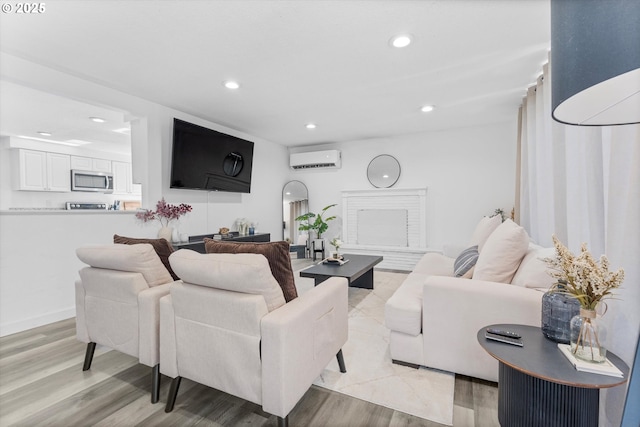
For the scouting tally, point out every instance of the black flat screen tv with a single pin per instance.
(204, 159)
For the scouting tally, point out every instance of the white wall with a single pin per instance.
(151, 134)
(468, 174)
(39, 265)
(37, 256)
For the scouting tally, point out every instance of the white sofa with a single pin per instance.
(434, 317)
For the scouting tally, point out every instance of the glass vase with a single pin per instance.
(588, 337)
(558, 308)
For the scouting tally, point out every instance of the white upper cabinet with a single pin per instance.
(90, 164)
(41, 171)
(81, 163)
(123, 179)
(101, 165)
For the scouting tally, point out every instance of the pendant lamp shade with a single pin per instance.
(595, 57)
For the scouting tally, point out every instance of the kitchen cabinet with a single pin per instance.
(90, 164)
(123, 179)
(42, 171)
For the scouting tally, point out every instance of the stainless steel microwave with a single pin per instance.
(100, 182)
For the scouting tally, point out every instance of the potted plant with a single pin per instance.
(336, 243)
(319, 224)
(316, 223)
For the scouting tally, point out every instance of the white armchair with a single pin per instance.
(117, 303)
(227, 326)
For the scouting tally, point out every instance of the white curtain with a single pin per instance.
(583, 185)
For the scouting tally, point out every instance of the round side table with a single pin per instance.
(538, 386)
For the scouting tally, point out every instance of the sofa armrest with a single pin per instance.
(454, 309)
(82, 333)
(298, 340)
(168, 349)
(149, 323)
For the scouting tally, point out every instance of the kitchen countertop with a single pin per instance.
(58, 211)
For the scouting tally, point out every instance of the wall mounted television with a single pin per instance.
(204, 159)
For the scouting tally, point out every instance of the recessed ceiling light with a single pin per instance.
(97, 119)
(310, 126)
(402, 40)
(427, 108)
(230, 84)
(44, 133)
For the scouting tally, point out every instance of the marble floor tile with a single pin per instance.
(371, 376)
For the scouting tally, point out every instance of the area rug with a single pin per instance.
(370, 376)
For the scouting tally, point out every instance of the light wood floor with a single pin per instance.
(42, 384)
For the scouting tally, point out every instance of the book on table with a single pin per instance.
(604, 368)
(335, 261)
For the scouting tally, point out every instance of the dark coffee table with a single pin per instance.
(358, 271)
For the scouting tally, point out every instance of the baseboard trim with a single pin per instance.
(407, 364)
(34, 322)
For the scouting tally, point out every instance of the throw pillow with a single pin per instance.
(469, 274)
(140, 258)
(162, 247)
(465, 261)
(533, 271)
(502, 253)
(277, 253)
(246, 273)
(485, 227)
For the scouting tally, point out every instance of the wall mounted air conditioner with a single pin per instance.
(315, 159)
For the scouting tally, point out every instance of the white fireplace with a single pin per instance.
(387, 222)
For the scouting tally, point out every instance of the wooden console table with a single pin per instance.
(196, 243)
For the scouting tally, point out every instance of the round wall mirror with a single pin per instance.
(295, 202)
(383, 171)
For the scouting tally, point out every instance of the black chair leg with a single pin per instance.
(88, 356)
(173, 393)
(283, 422)
(155, 384)
(343, 368)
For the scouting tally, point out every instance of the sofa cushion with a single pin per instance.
(533, 271)
(483, 230)
(246, 273)
(162, 247)
(433, 263)
(277, 253)
(465, 261)
(403, 310)
(502, 253)
(141, 258)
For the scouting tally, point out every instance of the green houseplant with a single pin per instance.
(315, 222)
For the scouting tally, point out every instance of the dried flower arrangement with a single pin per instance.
(588, 280)
(164, 213)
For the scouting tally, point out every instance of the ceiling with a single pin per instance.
(297, 62)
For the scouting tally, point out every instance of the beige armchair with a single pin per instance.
(227, 326)
(117, 303)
